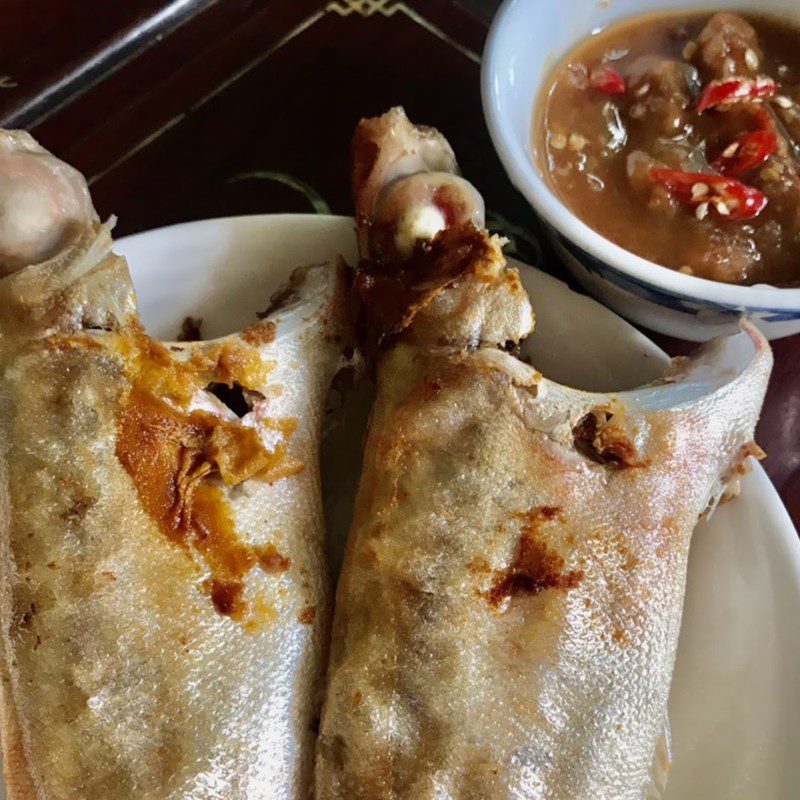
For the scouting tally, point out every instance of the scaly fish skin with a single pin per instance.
(509, 609)
(164, 600)
(509, 606)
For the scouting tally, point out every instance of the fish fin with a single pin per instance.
(656, 787)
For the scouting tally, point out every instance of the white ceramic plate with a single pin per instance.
(735, 704)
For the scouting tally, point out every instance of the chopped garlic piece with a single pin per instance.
(637, 111)
(576, 141)
(751, 58)
(730, 150)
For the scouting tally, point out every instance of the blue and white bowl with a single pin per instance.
(526, 40)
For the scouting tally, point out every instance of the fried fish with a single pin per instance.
(164, 596)
(509, 606)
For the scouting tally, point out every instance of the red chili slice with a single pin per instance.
(606, 79)
(729, 198)
(748, 151)
(735, 89)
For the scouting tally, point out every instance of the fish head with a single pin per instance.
(44, 203)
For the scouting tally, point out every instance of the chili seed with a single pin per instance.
(722, 208)
(642, 90)
(730, 150)
(701, 212)
(700, 189)
(750, 58)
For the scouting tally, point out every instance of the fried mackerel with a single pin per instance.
(508, 610)
(164, 596)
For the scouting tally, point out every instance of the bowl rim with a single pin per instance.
(518, 162)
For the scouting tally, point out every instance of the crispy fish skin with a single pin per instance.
(508, 611)
(163, 626)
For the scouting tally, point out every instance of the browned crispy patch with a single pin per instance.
(176, 460)
(262, 615)
(227, 598)
(79, 506)
(597, 437)
(307, 615)
(179, 460)
(272, 561)
(479, 566)
(541, 512)
(26, 618)
(57, 343)
(369, 556)
(631, 561)
(234, 361)
(390, 294)
(432, 387)
(536, 567)
(151, 364)
(259, 333)
(173, 459)
(620, 637)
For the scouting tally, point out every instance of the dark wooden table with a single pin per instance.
(183, 109)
